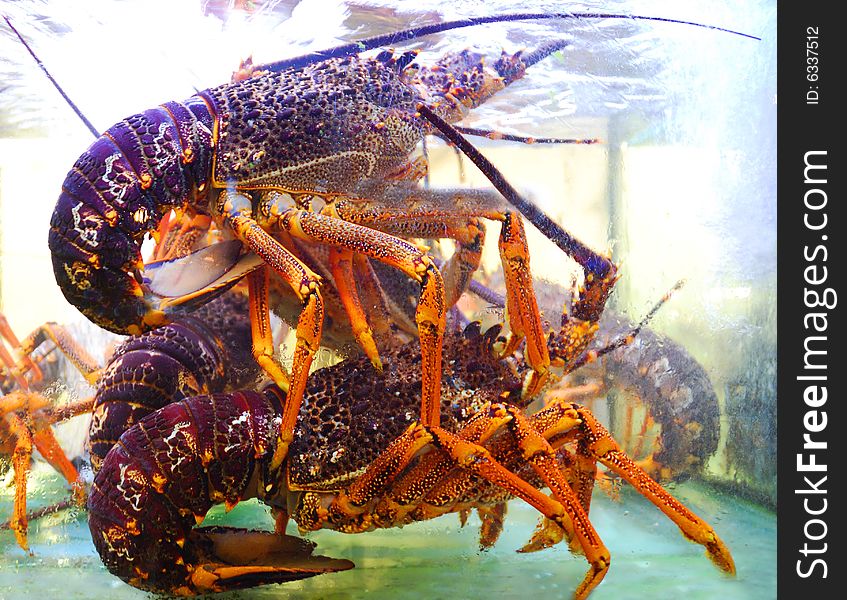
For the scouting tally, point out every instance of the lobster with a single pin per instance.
(360, 461)
(27, 416)
(204, 352)
(310, 151)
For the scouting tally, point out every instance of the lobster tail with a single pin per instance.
(203, 353)
(162, 477)
(116, 193)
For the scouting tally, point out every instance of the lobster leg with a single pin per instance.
(260, 323)
(236, 209)
(433, 214)
(597, 442)
(564, 508)
(14, 370)
(341, 266)
(373, 296)
(399, 254)
(521, 305)
(466, 450)
(34, 430)
(65, 342)
(20, 462)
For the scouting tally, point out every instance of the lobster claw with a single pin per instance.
(199, 277)
(230, 559)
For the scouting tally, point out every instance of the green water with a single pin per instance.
(438, 559)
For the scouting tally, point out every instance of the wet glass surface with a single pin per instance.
(682, 186)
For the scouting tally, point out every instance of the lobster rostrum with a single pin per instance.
(317, 150)
(360, 460)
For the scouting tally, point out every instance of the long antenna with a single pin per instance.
(399, 37)
(55, 83)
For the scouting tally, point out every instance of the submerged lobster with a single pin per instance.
(316, 151)
(359, 460)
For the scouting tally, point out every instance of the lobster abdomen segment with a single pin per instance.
(117, 192)
(165, 473)
(206, 352)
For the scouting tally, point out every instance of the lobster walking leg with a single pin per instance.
(20, 463)
(597, 441)
(65, 342)
(373, 297)
(237, 209)
(341, 266)
(476, 458)
(411, 212)
(397, 253)
(260, 324)
(521, 305)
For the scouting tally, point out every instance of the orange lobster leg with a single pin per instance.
(564, 508)
(20, 463)
(605, 449)
(260, 323)
(465, 450)
(401, 255)
(456, 214)
(341, 267)
(47, 445)
(373, 297)
(65, 342)
(14, 370)
(237, 210)
(521, 305)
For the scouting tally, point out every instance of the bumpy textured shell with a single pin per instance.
(323, 128)
(351, 413)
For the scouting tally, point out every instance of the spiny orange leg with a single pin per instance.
(27, 364)
(565, 509)
(411, 212)
(65, 342)
(457, 450)
(456, 214)
(341, 267)
(48, 446)
(373, 297)
(577, 527)
(34, 429)
(237, 210)
(20, 463)
(430, 475)
(597, 442)
(521, 305)
(260, 323)
(371, 487)
(388, 249)
(580, 472)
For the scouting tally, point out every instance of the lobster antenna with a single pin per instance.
(41, 512)
(55, 83)
(552, 230)
(524, 139)
(406, 35)
(627, 339)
